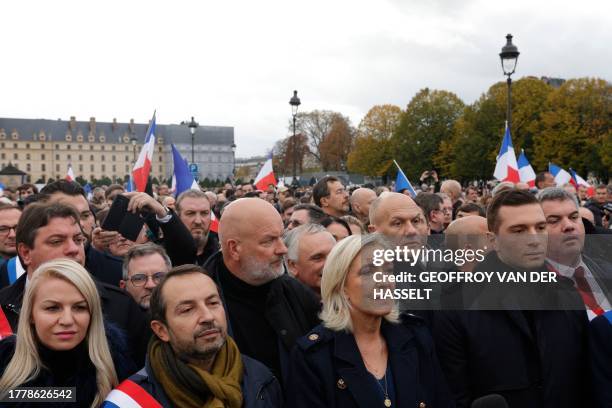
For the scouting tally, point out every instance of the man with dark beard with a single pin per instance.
(267, 309)
(193, 208)
(191, 360)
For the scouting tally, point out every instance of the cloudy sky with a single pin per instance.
(237, 62)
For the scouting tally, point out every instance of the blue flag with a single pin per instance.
(402, 183)
(182, 176)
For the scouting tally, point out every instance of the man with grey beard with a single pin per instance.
(267, 310)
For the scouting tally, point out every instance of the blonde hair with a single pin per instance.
(336, 313)
(26, 364)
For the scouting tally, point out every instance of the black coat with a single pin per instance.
(260, 389)
(327, 370)
(104, 267)
(600, 348)
(117, 307)
(291, 309)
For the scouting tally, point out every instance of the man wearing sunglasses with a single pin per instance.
(144, 266)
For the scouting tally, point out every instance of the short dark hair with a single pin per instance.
(472, 207)
(70, 188)
(315, 213)
(330, 219)
(112, 188)
(507, 198)
(287, 204)
(158, 304)
(26, 186)
(428, 202)
(321, 189)
(38, 215)
(540, 177)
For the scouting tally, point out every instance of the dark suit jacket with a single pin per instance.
(327, 370)
(117, 307)
(495, 352)
(600, 348)
(104, 267)
(602, 272)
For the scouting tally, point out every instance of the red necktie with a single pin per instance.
(585, 291)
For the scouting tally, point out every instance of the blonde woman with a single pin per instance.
(61, 340)
(364, 354)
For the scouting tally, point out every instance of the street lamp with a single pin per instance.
(509, 56)
(295, 103)
(193, 125)
(233, 162)
(133, 140)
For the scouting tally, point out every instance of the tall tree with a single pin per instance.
(284, 154)
(428, 121)
(372, 152)
(578, 127)
(315, 126)
(336, 145)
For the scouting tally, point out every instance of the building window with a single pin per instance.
(3, 156)
(80, 147)
(160, 149)
(127, 148)
(27, 145)
(42, 156)
(114, 158)
(67, 147)
(103, 158)
(79, 138)
(127, 158)
(57, 147)
(127, 168)
(160, 169)
(102, 139)
(57, 167)
(42, 146)
(113, 148)
(91, 158)
(91, 147)
(103, 168)
(57, 157)
(91, 167)
(28, 167)
(27, 156)
(80, 168)
(80, 157)
(2, 145)
(161, 158)
(91, 138)
(43, 167)
(69, 138)
(15, 156)
(114, 169)
(15, 146)
(69, 157)
(102, 147)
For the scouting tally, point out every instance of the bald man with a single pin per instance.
(267, 310)
(360, 200)
(468, 233)
(397, 215)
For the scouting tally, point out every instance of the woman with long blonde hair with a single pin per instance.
(61, 340)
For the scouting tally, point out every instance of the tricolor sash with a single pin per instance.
(5, 327)
(128, 394)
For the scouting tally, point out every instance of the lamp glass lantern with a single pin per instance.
(509, 56)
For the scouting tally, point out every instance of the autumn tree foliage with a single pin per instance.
(288, 150)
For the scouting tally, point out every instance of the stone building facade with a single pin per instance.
(45, 148)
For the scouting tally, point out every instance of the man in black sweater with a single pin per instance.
(267, 309)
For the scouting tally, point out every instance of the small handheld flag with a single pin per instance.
(70, 174)
(183, 178)
(506, 168)
(526, 173)
(402, 183)
(561, 176)
(265, 176)
(142, 167)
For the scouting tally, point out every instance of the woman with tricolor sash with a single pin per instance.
(62, 340)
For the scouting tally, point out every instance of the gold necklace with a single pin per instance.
(387, 400)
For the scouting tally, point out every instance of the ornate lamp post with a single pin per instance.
(509, 57)
(295, 103)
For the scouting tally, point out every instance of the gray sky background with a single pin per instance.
(236, 63)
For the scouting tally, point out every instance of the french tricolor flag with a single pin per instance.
(506, 168)
(142, 168)
(265, 177)
(182, 179)
(561, 176)
(526, 173)
(128, 394)
(70, 174)
(578, 181)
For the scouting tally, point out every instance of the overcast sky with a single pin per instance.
(237, 62)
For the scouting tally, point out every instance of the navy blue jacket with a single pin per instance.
(260, 389)
(327, 370)
(600, 348)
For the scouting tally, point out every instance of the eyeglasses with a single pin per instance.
(5, 229)
(140, 279)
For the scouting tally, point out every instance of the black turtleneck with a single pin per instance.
(246, 306)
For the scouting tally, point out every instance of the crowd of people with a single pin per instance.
(273, 306)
